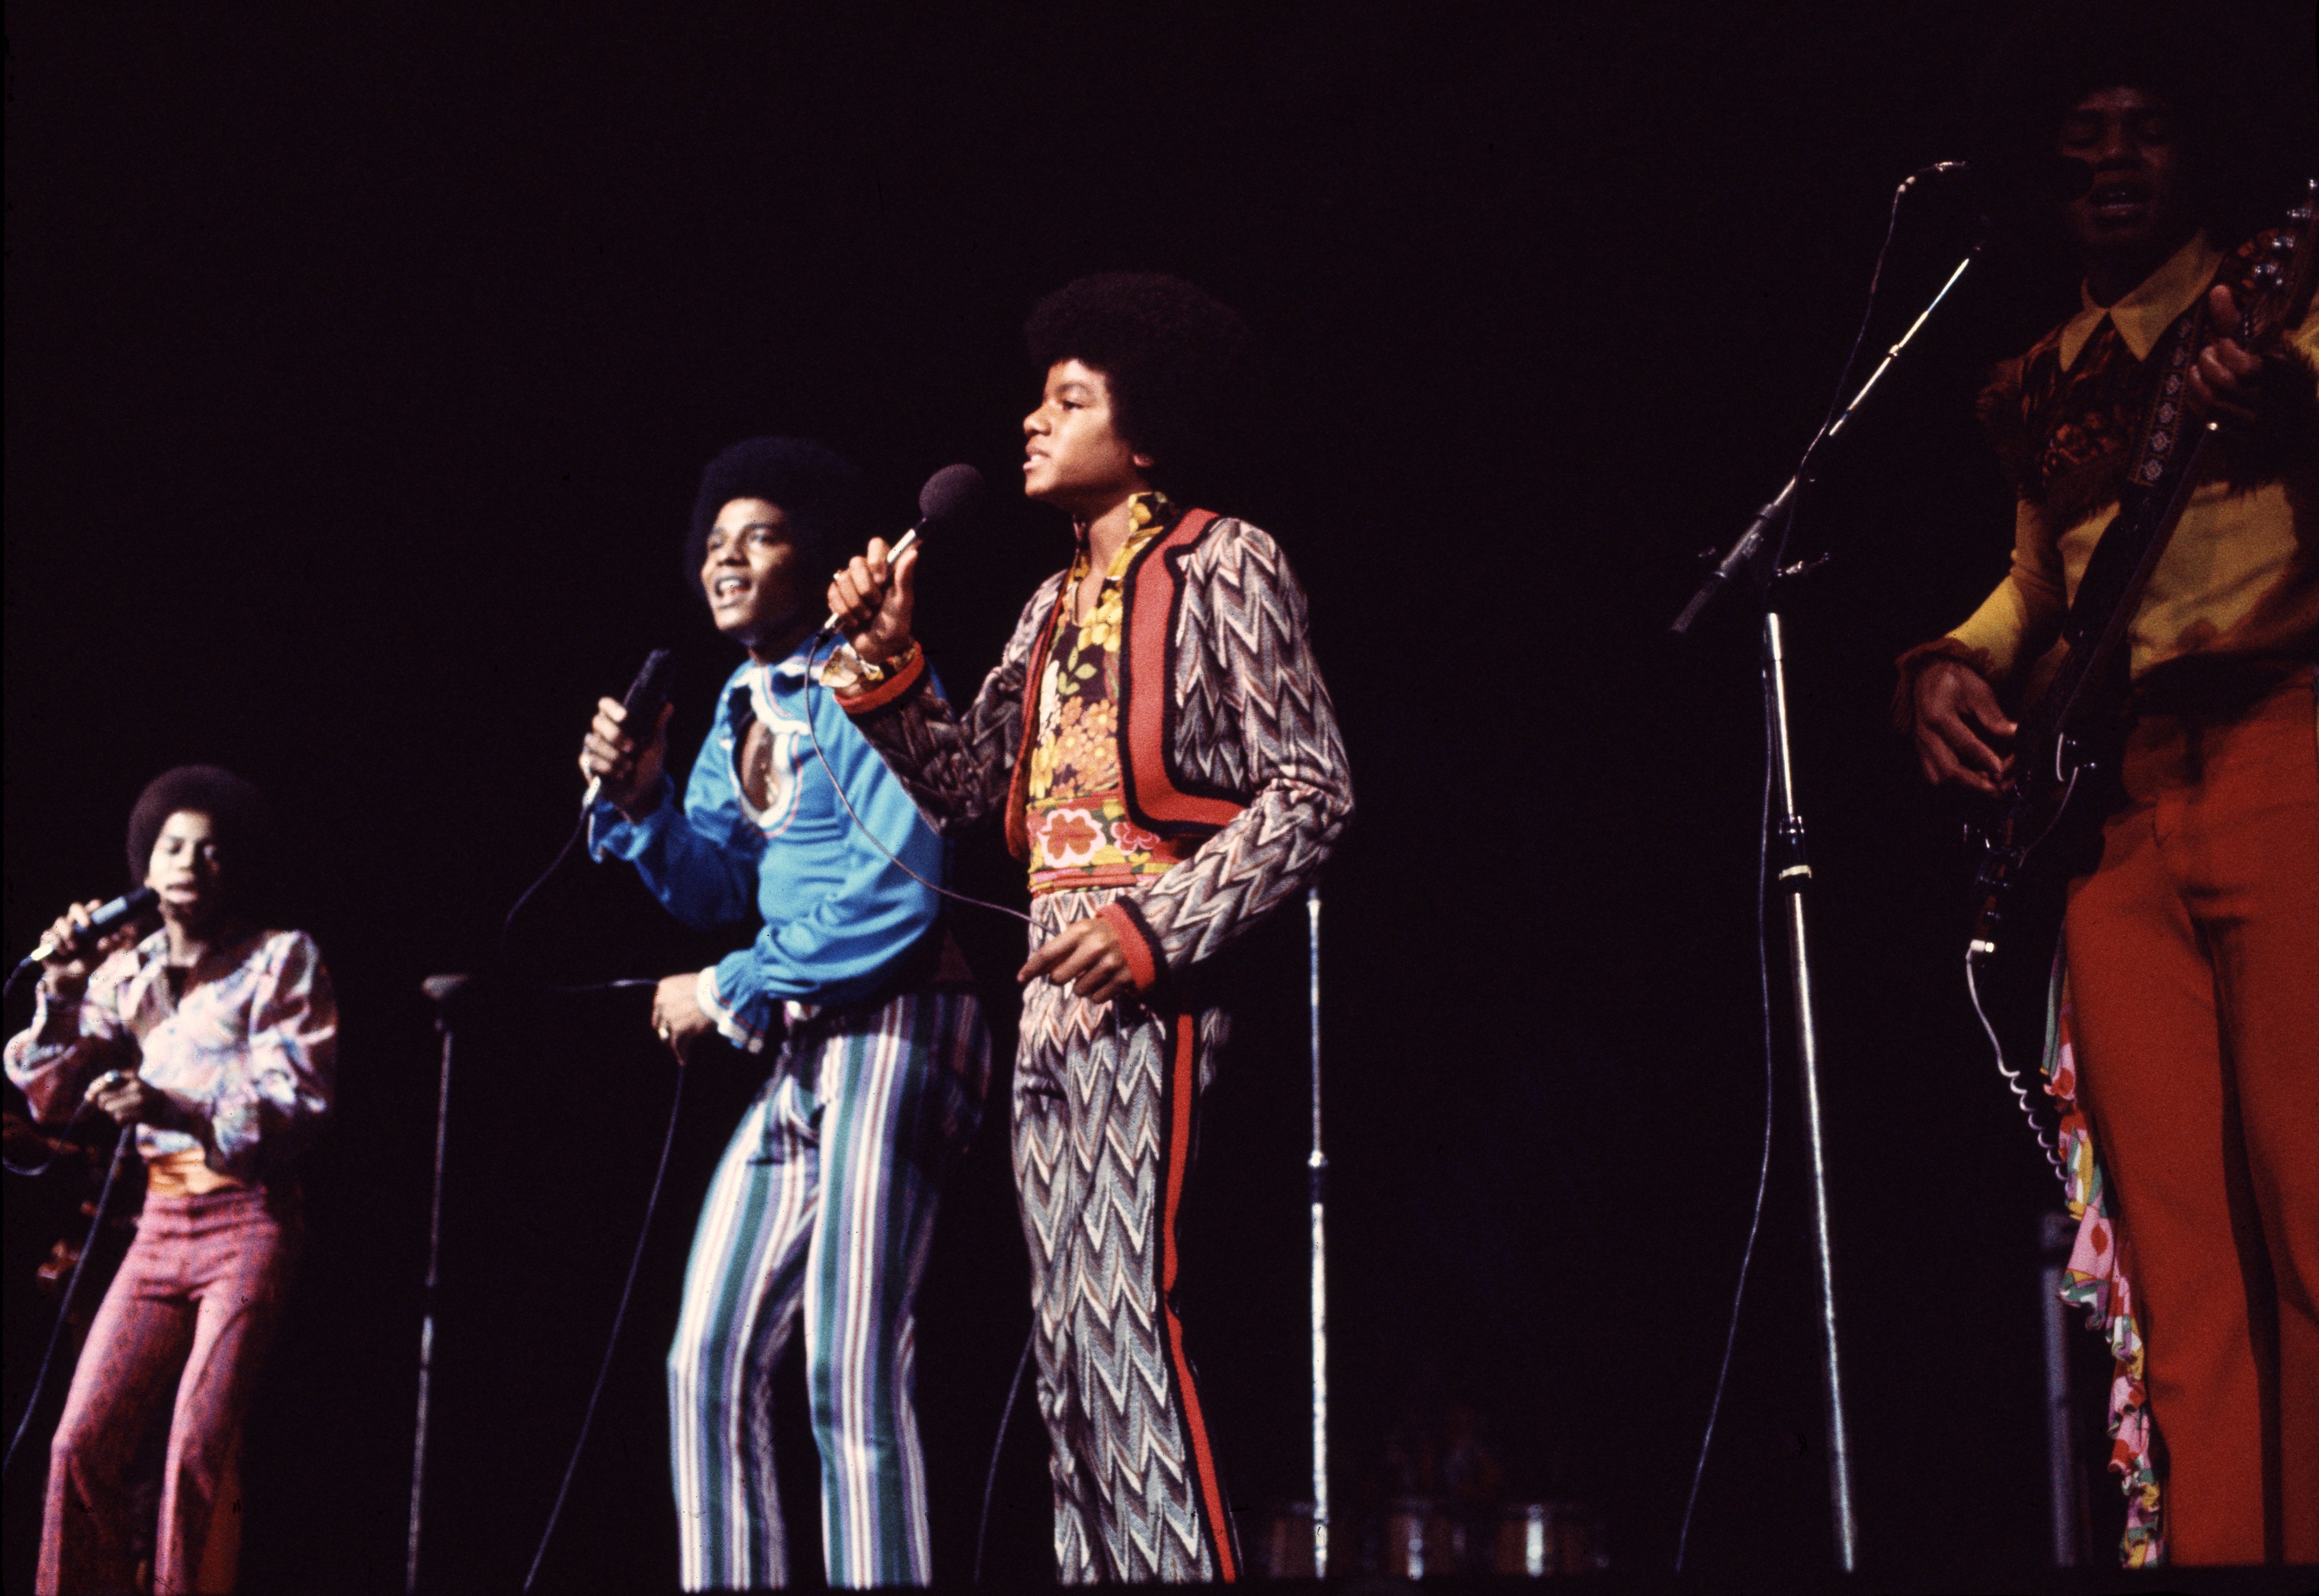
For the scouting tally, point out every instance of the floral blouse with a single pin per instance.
(247, 1053)
(1079, 833)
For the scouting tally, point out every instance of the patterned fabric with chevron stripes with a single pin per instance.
(1096, 1137)
(1250, 717)
(1105, 1094)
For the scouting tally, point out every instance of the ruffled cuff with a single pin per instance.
(740, 1023)
(56, 1021)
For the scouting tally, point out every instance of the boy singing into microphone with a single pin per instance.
(1164, 754)
(823, 1202)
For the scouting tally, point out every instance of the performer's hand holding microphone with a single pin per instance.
(84, 936)
(872, 599)
(627, 746)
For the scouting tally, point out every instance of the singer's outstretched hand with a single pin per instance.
(874, 599)
(610, 755)
(1085, 954)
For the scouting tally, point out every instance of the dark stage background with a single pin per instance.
(358, 375)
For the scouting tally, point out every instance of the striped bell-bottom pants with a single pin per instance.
(1105, 1105)
(824, 1202)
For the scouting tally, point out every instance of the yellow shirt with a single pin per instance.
(2241, 576)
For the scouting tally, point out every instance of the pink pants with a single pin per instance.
(192, 1308)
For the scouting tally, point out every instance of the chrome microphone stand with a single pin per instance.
(1759, 552)
(1790, 866)
(444, 991)
(1317, 1164)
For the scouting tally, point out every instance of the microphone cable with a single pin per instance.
(651, 1201)
(72, 1291)
(812, 652)
(1851, 356)
(1015, 1387)
(507, 925)
(619, 1318)
(1763, 870)
(1764, 1168)
(999, 1445)
(56, 1148)
(88, 1244)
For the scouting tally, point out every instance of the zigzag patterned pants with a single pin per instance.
(1105, 1104)
(822, 1208)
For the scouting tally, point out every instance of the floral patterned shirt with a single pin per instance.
(1079, 833)
(247, 1052)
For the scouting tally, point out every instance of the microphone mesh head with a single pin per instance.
(950, 494)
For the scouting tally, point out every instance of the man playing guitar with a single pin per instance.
(2192, 949)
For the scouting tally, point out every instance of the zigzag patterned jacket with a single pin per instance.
(1227, 737)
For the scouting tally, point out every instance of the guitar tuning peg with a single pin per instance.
(2299, 215)
(2282, 245)
(2268, 273)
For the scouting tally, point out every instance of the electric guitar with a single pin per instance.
(2068, 741)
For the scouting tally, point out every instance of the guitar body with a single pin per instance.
(2067, 751)
(2046, 827)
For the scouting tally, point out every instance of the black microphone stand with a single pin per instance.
(445, 992)
(1758, 553)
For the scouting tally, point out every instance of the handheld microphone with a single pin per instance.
(1968, 188)
(641, 708)
(950, 496)
(100, 924)
(1942, 171)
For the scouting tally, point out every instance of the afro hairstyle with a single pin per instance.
(823, 494)
(1171, 354)
(236, 809)
(2227, 110)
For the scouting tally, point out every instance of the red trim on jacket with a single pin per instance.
(1018, 786)
(1150, 595)
(869, 700)
(1142, 958)
(1183, 1094)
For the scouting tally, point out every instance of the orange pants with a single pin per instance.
(2194, 970)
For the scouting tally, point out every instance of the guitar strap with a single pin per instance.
(2162, 423)
(2158, 442)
